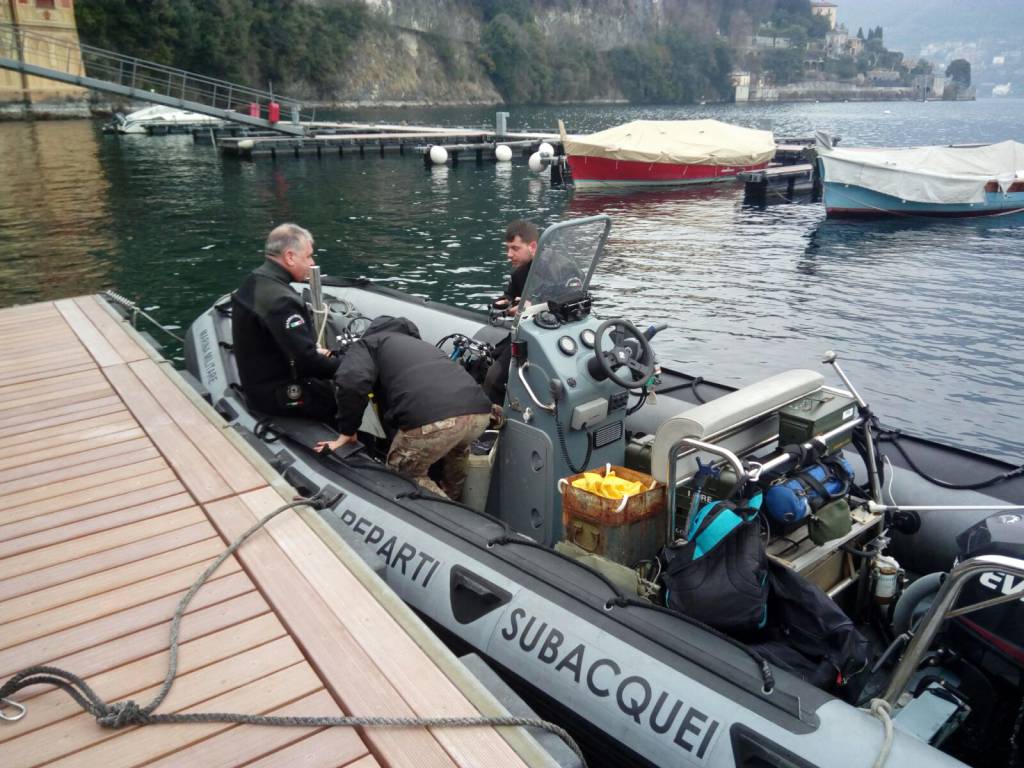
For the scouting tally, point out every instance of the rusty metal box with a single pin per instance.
(624, 533)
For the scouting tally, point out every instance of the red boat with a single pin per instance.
(666, 152)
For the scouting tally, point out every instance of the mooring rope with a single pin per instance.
(137, 310)
(880, 709)
(126, 713)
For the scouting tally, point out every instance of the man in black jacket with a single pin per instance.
(431, 404)
(282, 369)
(520, 247)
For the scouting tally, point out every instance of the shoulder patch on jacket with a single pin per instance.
(294, 321)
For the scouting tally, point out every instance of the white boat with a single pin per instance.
(955, 181)
(158, 116)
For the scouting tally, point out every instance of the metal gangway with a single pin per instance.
(89, 67)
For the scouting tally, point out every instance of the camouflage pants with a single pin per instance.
(413, 451)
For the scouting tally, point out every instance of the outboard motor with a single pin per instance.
(1001, 627)
(966, 696)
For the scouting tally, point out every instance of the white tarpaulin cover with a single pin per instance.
(682, 142)
(939, 175)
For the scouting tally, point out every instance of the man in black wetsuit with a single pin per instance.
(429, 404)
(520, 248)
(282, 369)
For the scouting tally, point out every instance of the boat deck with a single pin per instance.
(118, 489)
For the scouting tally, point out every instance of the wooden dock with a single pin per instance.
(119, 487)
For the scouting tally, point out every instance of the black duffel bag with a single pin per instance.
(719, 573)
(810, 636)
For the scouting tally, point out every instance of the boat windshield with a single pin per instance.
(567, 255)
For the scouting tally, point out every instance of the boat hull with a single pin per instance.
(660, 689)
(850, 201)
(601, 171)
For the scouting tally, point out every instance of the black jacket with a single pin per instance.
(413, 382)
(517, 282)
(273, 334)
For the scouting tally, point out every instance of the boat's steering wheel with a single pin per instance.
(640, 369)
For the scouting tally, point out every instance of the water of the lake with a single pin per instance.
(929, 316)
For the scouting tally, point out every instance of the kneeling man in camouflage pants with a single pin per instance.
(431, 405)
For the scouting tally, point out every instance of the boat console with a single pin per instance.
(573, 383)
(569, 382)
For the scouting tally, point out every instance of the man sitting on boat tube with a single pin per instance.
(282, 370)
(520, 248)
(431, 405)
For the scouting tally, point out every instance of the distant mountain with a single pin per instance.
(909, 25)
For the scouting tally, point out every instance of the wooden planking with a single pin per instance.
(62, 366)
(50, 479)
(101, 350)
(132, 675)
(35, 310)
(89, 427)
(39, 409)
(106, 581)
(140, 592)
(248, 742)
(198, 622)
(12, 395)
(132, 552)
(40, 345)
(83, 497)
(99, 543)
(324, 749)
(95, 551)
(425, 688)
(68, 455)
(260, 696)
(115, 625)
(64, 414)
(70, 524)
(67, 738)
(195, 471)
(359, 684)
(52, 335)
(364, 762)
(54, 524)
(111, 329)
(17, 506)
(236, 470)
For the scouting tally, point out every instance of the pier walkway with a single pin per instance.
(118, 487)
(133, 78)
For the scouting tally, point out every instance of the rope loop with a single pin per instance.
(121, 714)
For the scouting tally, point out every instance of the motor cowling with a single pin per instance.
(1001, 626)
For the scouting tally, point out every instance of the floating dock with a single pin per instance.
(339, 141)
(783, 181)
(119, 487)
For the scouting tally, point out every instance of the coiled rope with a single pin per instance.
(125, 713)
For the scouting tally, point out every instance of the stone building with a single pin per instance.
(49, 39)
(829, 10)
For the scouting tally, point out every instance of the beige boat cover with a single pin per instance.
(682, 142)
(940, 175)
